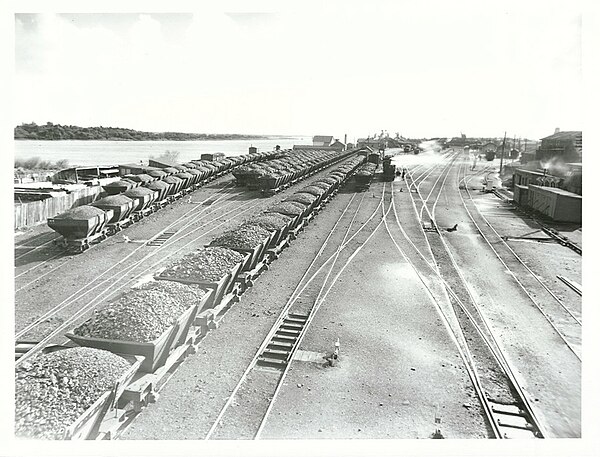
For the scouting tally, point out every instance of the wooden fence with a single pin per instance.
(28, 214)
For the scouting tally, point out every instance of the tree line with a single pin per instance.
(51, 131)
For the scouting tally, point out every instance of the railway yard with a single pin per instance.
(384, 307)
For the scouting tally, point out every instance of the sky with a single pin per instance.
(421, 69)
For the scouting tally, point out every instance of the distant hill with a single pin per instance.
(51, 131)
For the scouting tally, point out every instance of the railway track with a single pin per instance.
(284, 338)
(415, 186)
(563, 320)
(123, 274)
(33, 248)
(119, 280)
(61, 253)
(506, 418)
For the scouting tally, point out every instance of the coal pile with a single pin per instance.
(143, 314)
(206, 264)
(314, 190)
(302, 197)
(53, 390)
(270, 221)
(140, 191)
(81, 212)
(288, 208)
(115, 200)
(244, 237)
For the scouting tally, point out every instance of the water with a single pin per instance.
(88, 153)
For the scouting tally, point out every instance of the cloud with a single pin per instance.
(396, 65)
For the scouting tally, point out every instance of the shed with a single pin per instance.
(558, 204)
(322, 140)
(521, 194)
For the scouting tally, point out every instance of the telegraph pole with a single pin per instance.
(502, 156)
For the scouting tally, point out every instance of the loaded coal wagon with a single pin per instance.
(80, 227)
(143, 199)
(122, 209)
(364, 176)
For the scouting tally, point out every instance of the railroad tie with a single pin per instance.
(161, 239)
(278, 352)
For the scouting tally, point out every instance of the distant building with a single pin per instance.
(337, 145)
(491, 147)
(373, 143)
(324, 143)
(557, 196)
(319, 140)
(564, 145)
(77, 175)
(459, 142)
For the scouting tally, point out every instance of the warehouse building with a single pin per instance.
(566, 146)
(558, 204)
(83, 175)
(322, 140)
(322, 143)
(558, 197)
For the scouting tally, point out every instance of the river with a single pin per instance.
(90, 152)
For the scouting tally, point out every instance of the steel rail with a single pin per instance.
(17, 246)
(521, 262)
(40, 345)
(459, 340)
(488, 339)
(295, 294)
(446, 170)
(62, 253)
(479, 230)
(81, 292)
(36, 266)
(313, 312)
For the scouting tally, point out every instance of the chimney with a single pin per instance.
(556, 130)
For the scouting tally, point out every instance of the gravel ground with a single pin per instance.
(57, 280)
(190, 402)
(548, 371)
(411, 324)
(396, 365)
(373, 392)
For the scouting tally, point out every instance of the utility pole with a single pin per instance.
(502, 156)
